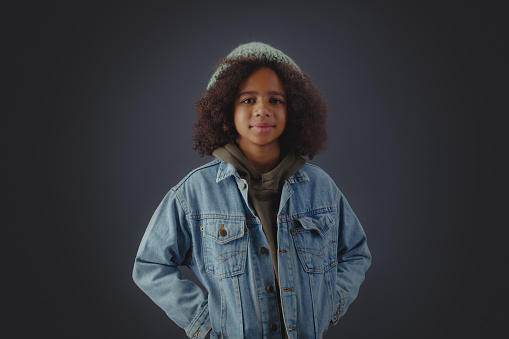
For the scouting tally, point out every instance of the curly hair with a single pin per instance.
(305, 133)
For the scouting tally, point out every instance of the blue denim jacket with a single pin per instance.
(205, 222)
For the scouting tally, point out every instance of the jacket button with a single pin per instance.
(270, 288)
(241, 185)
(273, 327)
(222, 232)
(263, 250)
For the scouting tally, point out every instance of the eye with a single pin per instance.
(276, 101)
(248, 101)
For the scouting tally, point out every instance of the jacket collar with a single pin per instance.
(226, 169)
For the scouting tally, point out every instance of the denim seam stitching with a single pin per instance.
(315, 320)
(210, 164)
(331, 294)
(182, 202)
(196, 318)
(222, 216)
(300, 215)
(238, 301)
(222, 322)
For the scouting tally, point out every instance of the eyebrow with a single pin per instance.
(270, 92)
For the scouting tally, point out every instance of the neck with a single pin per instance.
(262, 158)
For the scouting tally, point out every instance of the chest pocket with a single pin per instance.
(224, 246)
(316, 242)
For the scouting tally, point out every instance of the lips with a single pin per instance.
(263, 127)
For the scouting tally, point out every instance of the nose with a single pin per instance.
(261, 109)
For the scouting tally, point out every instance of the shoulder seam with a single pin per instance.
(310, 164)
(182, 202)
(326, 174)
(210, 164)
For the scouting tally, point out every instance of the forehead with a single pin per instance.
(262, 80)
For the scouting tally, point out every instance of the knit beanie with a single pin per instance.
(254, 49)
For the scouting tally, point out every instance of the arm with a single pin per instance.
(354, 257)
(164, 246)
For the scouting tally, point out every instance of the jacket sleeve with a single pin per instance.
(354, 258)
(163, 247)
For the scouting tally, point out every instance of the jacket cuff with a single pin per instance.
(341, 308)
(200, 325)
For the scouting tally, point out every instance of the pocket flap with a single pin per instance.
(223, 231)
(319, 222)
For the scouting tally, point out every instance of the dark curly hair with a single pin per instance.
(305, 133)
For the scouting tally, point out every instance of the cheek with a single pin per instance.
(283, 117)
(238, 119)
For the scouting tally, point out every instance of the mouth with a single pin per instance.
(263, 128)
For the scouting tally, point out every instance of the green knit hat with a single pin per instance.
(254, 49)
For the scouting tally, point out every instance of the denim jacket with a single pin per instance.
(206, 223)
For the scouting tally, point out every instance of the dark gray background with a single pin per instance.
(97, 122)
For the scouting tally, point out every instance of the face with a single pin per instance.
(260, 110)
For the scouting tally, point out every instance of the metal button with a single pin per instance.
(270, 289)
(241, 185)
(263, 250)
(273, 327)
(222, 232)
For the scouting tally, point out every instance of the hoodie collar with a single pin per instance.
(226, 169)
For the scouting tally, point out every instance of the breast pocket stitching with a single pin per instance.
(315, 242)
(224, 247)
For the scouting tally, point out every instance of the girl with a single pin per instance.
(274, 242)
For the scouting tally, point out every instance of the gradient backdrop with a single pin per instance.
(96, 127)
